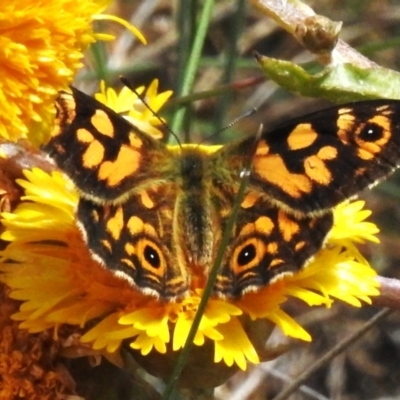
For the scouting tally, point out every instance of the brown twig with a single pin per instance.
(389, 293)
(336, 350)
(292, 15)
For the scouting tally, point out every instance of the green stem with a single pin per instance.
(193, 62)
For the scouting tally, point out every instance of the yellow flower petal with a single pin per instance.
(133, 109)
(349, 224)
(235, 347)
(122, 22)
(109, 334)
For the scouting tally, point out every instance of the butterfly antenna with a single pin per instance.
(232, 123)
(126, 82)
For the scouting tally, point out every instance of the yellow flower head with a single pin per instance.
(58, 281)
(41, 48)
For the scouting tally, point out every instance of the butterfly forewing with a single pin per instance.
(100, 151)
(316, 162)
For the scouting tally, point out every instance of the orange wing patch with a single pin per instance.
(287, 226)
(94, 155)
(273, 169)
(126, 164)
(316, 170)
(115, 224)
(302, 136)
(101, 121)
(264, 225)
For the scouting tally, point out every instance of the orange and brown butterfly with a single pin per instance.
(155, 214)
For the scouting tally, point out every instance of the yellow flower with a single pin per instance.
(41, 47)
(54, 275)
(132, 108)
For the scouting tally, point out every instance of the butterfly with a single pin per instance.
(155, 214)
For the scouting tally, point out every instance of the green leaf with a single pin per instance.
(338, 83)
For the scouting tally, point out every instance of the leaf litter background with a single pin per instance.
(231, 83)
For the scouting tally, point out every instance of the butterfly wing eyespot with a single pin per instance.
(152, 256)
(101, 152)
(247, 254)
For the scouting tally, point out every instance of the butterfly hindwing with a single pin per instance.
(135, 240)
(267, 244)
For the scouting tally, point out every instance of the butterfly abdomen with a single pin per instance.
(194, 225)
